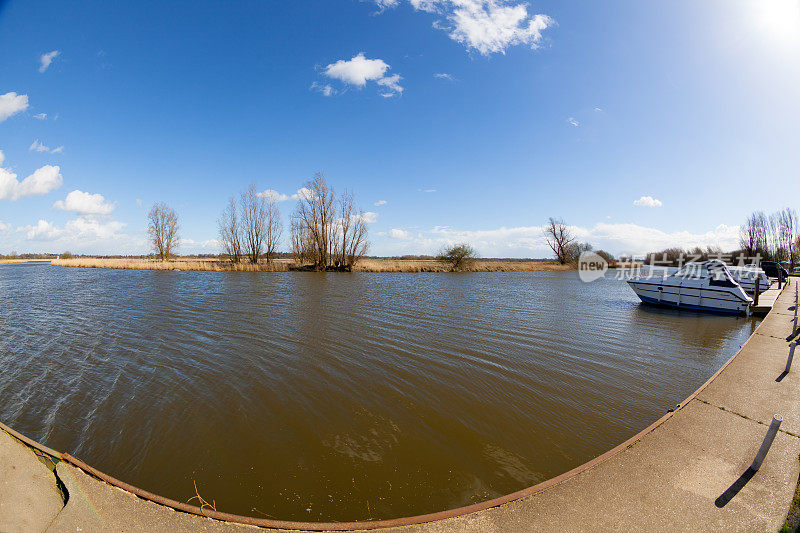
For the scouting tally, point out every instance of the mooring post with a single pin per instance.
(771, 432)
(792, 346)
(755, 294)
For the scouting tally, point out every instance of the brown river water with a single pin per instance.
(307, 396)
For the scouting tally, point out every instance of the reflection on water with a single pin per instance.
(341, 396)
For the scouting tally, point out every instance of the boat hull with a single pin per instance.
(692, 298)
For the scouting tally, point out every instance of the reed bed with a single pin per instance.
(282, 265)
(432, 265)
(2, 261)
(212, 265)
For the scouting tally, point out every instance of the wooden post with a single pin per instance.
(755, 294)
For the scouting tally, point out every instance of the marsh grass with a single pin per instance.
(282, 265)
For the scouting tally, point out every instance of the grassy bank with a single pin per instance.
(282, 265)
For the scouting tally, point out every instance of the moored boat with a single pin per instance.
(746, 277)
(706, 286)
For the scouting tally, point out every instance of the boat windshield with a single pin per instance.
(692, 271)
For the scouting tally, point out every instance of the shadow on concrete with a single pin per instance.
(734, 489)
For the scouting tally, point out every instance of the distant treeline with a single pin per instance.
(15, 255)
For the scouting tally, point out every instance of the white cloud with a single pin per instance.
(392, 84)
(191, 245)
(529, 241)
(380, 203)
(273, 196)
(40, 116)
(11, 104)
(358, 71)
(37, 146)
(46, 59)
(572, 121)
(42, 181)
(386, 4)
(85, 204)
(83, 233)
(487, 26)
(648, 201)
(303, 193)
(42, 231)
(369, 217)
(598, 109)
(444, 76)
(324, 88)
(427, 190)
(400, 234)
(4, 227)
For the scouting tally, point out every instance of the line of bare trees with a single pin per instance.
(327, 231)
(773, 237)
(250, 228)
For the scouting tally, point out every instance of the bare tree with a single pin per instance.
(254, 223)
(303, 244)
(753, 235)
(785, 230)
(315, 217)
(230, 231)
(357, 244)
(274, 228)
(559, 238)
(163, 230)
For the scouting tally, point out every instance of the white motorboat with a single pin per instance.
(746, 277)
(706, 286)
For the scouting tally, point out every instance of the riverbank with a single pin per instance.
(688, 471)
(283, 265)
(9, 261)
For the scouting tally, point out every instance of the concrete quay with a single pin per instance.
(689, 471)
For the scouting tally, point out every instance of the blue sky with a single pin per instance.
(471, 120)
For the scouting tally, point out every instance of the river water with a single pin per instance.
(309, 396)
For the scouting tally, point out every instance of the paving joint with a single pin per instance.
(725, 409)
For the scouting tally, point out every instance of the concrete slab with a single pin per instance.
(760, 362)
(29, 497)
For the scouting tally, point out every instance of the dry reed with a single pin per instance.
(214, 265)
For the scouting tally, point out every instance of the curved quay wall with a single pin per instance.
(395, 522)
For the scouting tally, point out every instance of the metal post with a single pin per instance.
(792, 346)
(771, 432)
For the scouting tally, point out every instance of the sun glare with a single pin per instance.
(778, 20)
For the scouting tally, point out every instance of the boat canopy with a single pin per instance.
(714, 270)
